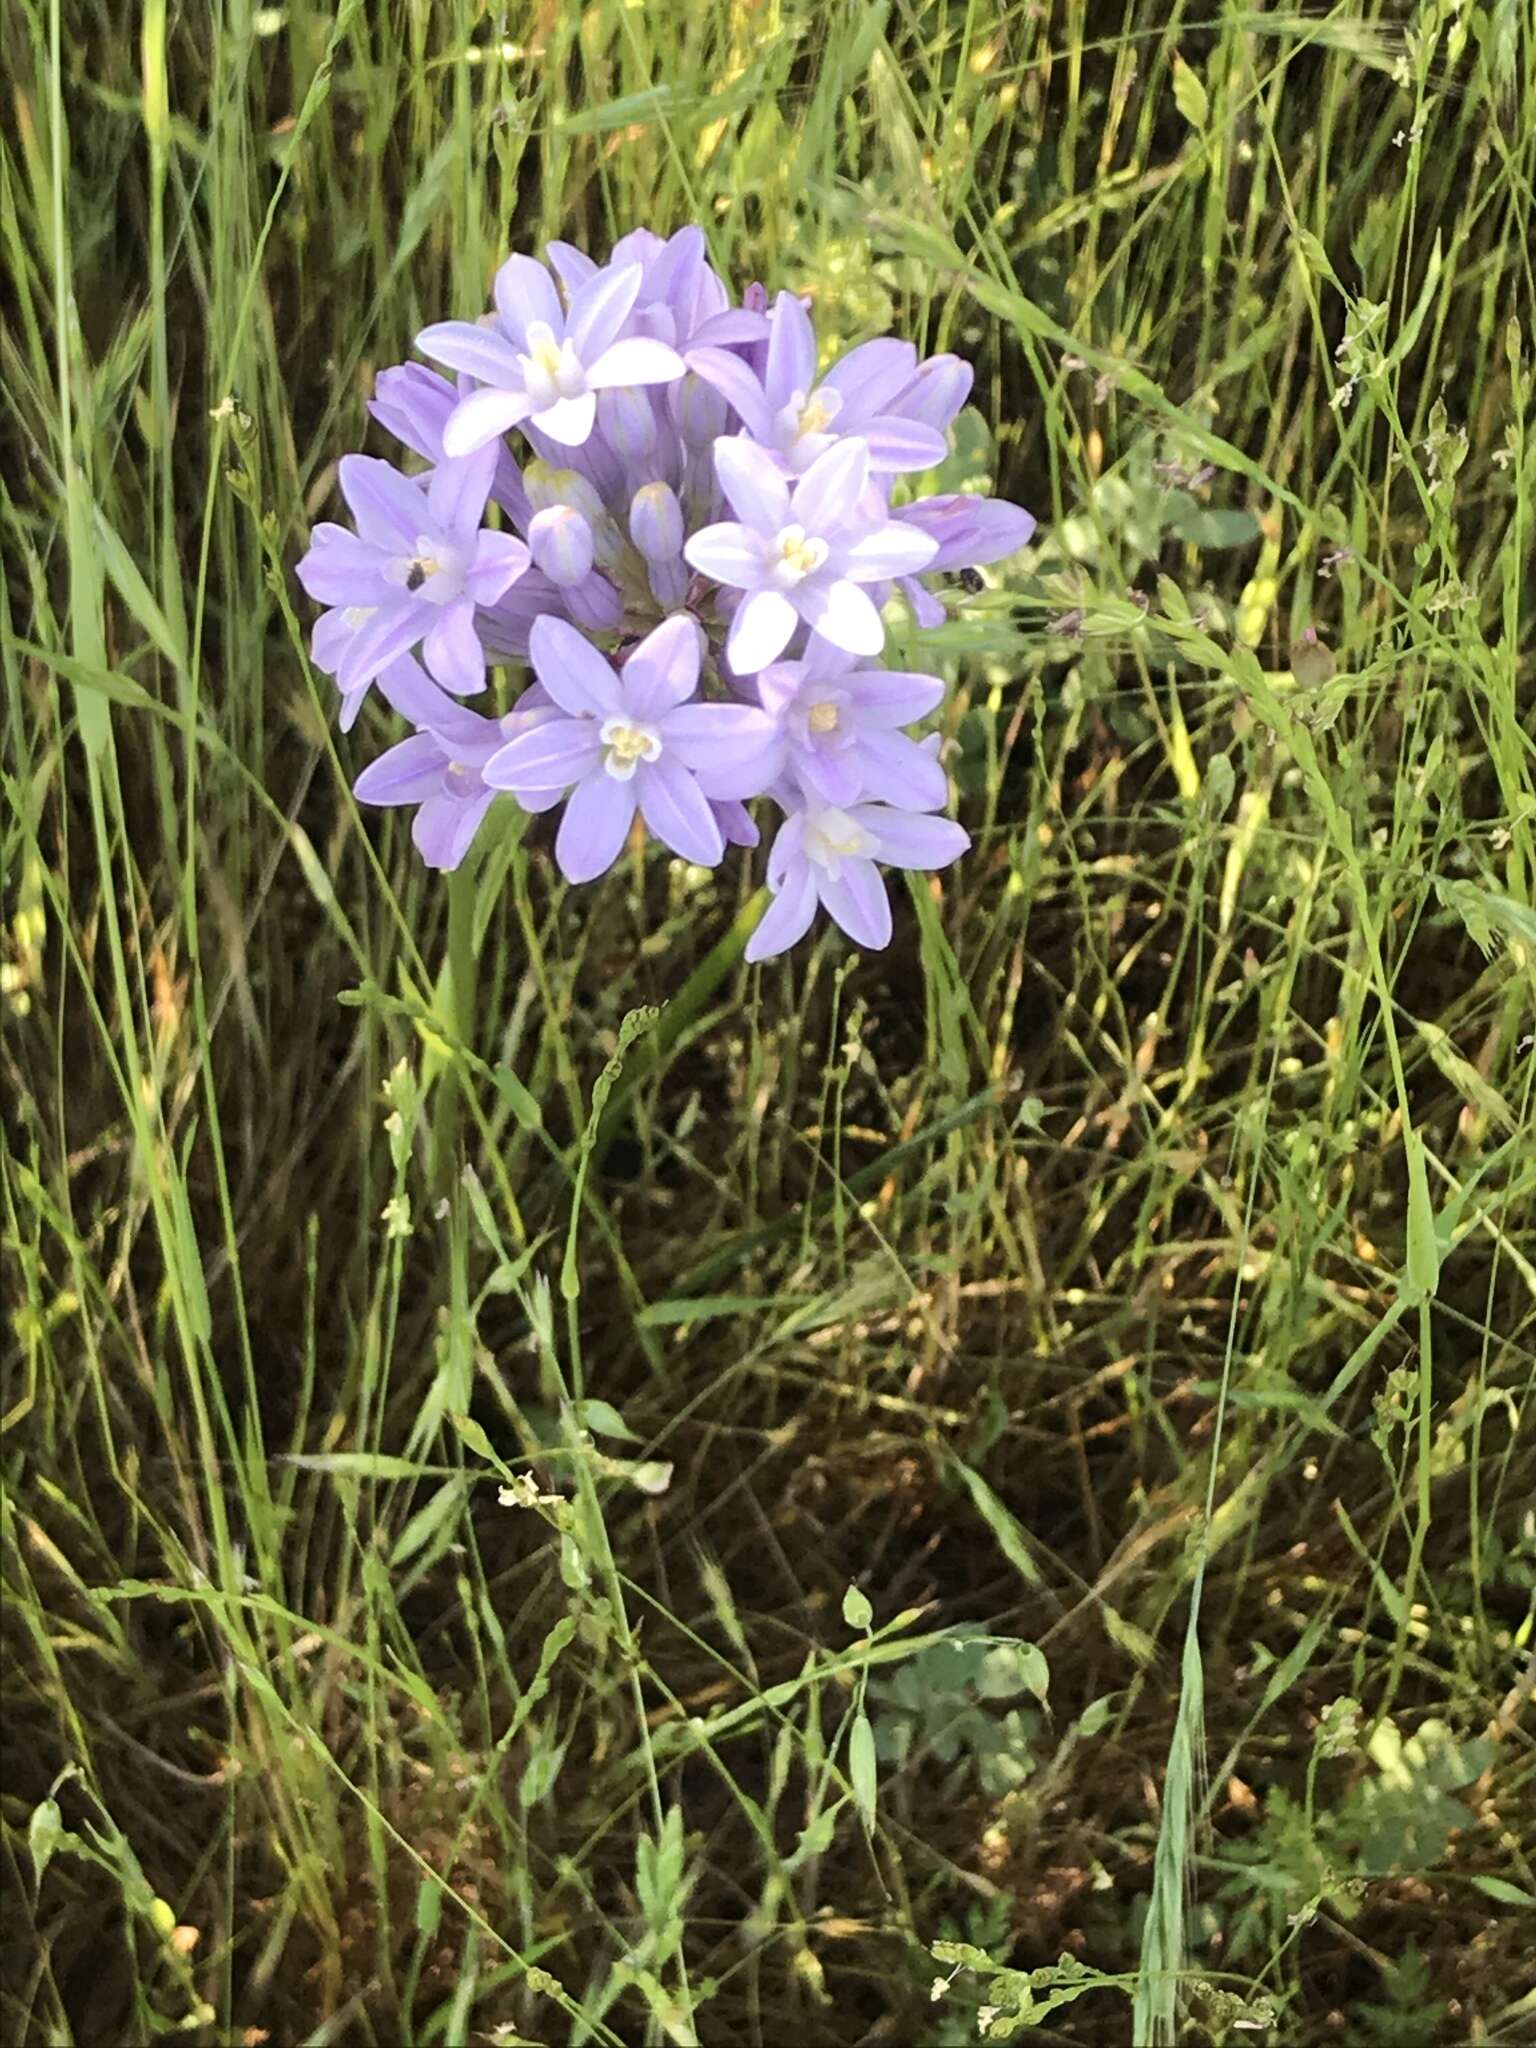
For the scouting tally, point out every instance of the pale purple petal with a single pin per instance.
(330, 640)
(596, 824)
(482, 417)
(893, 550)
(970, 531)
(830, 489)
(393, 630)
(674, 808)
(406, 774)
(791, 351)
(788, 917)
(750, 479)
(842, 613)
(663, 671)
(390, 509)
(927, 610)
(896, 444)
(912, 839)
(835, 775)
(413, 403)
(730, 553)
(737, 385)
(726, 330)
(639, 360)
(452, 650)
(599, 308)
(937, 392)
(525, 292)
(763, 626)
(574, 265)
(897, 771)
(458, 489)
(889, 697)
(871, 375)
(734, 749)
(735, 822)
(408, 689)
(856, 899)
(499, 559)
(568, 420)
(577, 677)
(787, 848)
(551, 756)
(343, 570)
(446, 824)
(476, 351)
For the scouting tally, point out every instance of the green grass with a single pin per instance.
(1127, 1282)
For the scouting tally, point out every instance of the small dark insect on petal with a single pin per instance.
(415, 576)
(970, 581)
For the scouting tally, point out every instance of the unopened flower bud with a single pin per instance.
(547, 486)
(701, 411)
(629, 422)
(561, 541)
(656, 522)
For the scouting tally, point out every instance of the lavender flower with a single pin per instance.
(702, 539)
(632, 740)
(412, 575)
(840, 722)
(798, 419)
(825, 855)
(802, 554)
(541, 365)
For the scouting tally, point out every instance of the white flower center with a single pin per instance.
(626, 745)
(800, 427)
(796, 555)
(831, 837)
(551, 369)
(823, 717)
(435, 571)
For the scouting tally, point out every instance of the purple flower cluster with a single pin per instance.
(696, 545)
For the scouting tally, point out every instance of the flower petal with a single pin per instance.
(788, 917)
(937, 392)
(483, 417)
(577, 677)
(871, 375)
(737, 385)
(842, 613)
(830, 489)
(390, 509)
(574, 265)
(730, 553)
(856, 899)
(568, 420)
(452, 650)
(734, 749)
(445, 826)
(459, 487)
(762, 628)
(970, 531)
(525, 292)
(751, 481)
(476, 351)
(891, 550)
(674, 808)
(638, 360)
(912, 839)
(835, 776)
(596, 824)
(730, 329)
(663, 671)
(407, 774)
(896, 444)
(888, 697)
(896, 770)
(599, 308)
(393, 630)
(791, 351)
(340, 569)
(500, 558)
(551, 756)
